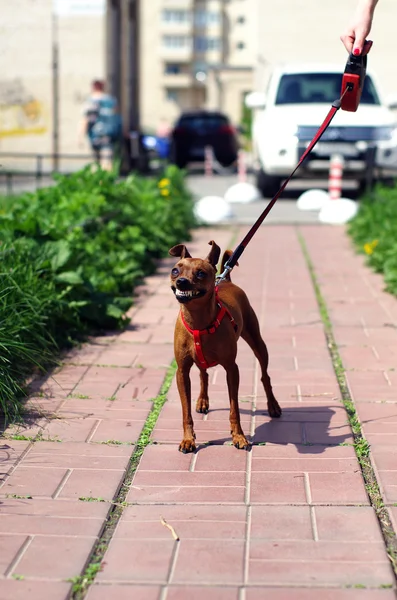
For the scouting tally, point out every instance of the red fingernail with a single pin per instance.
(356, 51)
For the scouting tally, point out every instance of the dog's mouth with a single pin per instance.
(184, 296)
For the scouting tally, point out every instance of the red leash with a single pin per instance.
(352, 84)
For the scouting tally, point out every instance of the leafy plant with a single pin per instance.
(374, 232)
(71, 255)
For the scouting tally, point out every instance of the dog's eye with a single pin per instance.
(201, 274)
(175, 272)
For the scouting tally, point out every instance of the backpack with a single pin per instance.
(103, 120)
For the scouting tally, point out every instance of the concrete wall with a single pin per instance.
(25, 82)
(26, 93)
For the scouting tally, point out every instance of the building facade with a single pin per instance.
(159, 57)
(195, 54)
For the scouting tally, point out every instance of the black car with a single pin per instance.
(197, 129)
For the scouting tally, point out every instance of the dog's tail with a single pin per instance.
(226, 255)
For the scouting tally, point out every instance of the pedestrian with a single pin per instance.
(102, 124)
(354, 39)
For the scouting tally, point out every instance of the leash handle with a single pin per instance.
(231, 263)
(353, 82)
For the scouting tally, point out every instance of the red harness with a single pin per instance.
(197, 333)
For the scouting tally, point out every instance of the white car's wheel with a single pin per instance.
(268, 185)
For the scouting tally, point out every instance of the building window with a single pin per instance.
(176, 41)
(203, 43)
(171, 95)
(172, 68)
(202, 17)
(241, 19)
(175, 16)
(240, 45)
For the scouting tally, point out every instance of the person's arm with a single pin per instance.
(354, 39)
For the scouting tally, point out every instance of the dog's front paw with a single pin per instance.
(202, 405)
(187, 445)
(274, 409)
(240, 441)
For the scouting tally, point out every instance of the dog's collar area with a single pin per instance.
(197, 333)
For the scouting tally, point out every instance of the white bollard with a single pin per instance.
(208, 161)
(312, 199)
(241, 166)
(212, 209)
(335, 177)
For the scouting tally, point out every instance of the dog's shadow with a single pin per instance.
(310, 428)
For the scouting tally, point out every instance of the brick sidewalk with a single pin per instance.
(289, 520)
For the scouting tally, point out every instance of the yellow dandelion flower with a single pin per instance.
(165, 192)
(369, 247)
(164, 183)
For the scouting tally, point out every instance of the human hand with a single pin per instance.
(354, 39)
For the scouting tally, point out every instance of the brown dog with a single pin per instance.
(206, 332)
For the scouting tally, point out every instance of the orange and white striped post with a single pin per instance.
(241, 166)
(335, 177)
(208, 161)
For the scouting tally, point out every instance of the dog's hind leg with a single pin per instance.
(251, 334)
(233, 379)
(203, 403)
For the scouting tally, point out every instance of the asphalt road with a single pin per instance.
(284, 211)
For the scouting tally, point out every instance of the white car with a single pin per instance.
(296, 103)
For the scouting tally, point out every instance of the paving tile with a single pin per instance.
(47, 508)
(123, 592)
(221, 458)
(10, 545)
(57, 557)
(65, 455)
(307, 593)
(33, 482)
(278, 488)
(303, 464)
(52, 449)
(186, 478)
(164, 457)
(186, 529)
(221, 562)
(71, 430)
(175, 494)
(37, 525)
(347, 523)
(305, 412)
(10, 453)
(116, 429)
(281, 523)
(338, 488)
(388, 480)
(277, 432)
(385, 457)
(302, 451)
(198, 593)
(34, 590)
(90, 483)
(149, 561)
(335, 563)
(152, 513)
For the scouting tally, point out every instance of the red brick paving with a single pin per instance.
(289, 520)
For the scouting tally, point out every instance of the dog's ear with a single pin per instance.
(214, 254)
(179, 250)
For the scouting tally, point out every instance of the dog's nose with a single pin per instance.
(182, 283)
